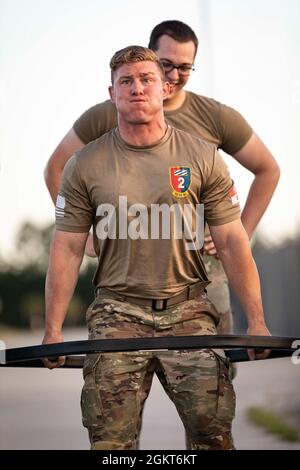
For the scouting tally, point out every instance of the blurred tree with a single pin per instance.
(22, 281)
(32, 245)
(279, 269)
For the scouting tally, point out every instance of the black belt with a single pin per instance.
(189, 293)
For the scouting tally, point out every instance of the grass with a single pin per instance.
(273, 424)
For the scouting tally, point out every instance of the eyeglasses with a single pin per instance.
(183, 69)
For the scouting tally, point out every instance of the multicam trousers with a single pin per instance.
(117, 385)
(218, 293)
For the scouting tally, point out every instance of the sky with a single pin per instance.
(54, 64)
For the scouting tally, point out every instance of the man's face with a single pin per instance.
(138, 91)
(178, 53)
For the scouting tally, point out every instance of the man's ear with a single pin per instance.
(111, 93)
(166, 90)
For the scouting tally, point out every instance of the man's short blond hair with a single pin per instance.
(132, 54)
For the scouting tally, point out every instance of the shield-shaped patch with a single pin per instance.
(180, 178)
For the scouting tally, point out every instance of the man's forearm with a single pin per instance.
(243, 278)
(259, 197)
(61, 281)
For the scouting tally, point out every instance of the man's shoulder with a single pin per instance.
(211, 105)
(95, 121)
(228, 124)
(106, 106)
(191, 141)
(96, 146)
(205, 101)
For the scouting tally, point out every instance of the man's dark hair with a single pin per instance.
(177, 30)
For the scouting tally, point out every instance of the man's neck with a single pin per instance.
(175, 102)
(142, 135)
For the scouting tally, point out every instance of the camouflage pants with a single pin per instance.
(218, 293)
(117, 385)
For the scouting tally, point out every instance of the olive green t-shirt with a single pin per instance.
(112, 181)
(199, 116)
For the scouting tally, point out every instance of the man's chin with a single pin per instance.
(138, 120)
(174, 89)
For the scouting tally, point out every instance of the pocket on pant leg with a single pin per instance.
(91, 405)
(226, 394)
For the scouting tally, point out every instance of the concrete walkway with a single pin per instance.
(39, 409)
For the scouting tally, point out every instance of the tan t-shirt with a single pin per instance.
(200, 116)
(108, 177)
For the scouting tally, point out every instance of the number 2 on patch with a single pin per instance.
(181, 183)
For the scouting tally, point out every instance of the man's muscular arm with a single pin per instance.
(54, 168)
(234, 250)
(66, 255)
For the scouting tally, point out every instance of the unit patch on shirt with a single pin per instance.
(180, 179)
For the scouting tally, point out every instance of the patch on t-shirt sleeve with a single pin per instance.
(60, 206)
(233, 196)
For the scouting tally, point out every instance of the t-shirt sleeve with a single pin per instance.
(234, 130)
(221, 204)
(73, 211)
(96, 121)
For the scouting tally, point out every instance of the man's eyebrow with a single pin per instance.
(125, 76)
(142, 74)
(170, 62)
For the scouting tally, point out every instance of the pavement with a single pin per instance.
(39, 409)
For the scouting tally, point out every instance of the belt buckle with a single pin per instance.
(163, 307)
